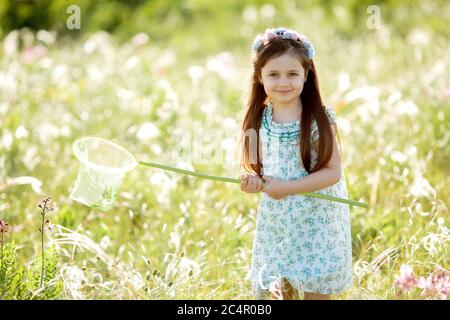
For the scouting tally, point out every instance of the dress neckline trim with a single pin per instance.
(278, 124)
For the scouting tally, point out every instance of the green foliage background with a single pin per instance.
(171, 236)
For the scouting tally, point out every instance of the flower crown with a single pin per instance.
(283, 33)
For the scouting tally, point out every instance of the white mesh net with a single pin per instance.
(103, 165)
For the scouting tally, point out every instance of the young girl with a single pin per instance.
(301, 244)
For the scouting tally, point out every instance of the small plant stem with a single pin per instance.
(1, 274)
(2, 254)
(42, 244)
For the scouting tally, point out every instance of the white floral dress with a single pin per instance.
(302, 239)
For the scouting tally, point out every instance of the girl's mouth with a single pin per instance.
(284, 91)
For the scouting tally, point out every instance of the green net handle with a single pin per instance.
(232, 180)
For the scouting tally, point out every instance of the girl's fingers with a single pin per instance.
(260, 184)
(244, 182)
(252, 184)
(257, 184)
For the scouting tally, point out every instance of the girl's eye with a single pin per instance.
(274, 74)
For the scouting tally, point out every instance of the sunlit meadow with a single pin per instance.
(177, 237)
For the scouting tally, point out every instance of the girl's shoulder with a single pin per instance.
(330, 113)
(331, 119)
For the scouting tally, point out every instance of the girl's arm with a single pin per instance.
(325, 177)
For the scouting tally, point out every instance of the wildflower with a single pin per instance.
(45, 208)
(3, 226)
(32, 54)
(437, 284)
(425, 284)
(442, 285)
(406, 281)
(140, 39)
(50, 226)
(3, 230)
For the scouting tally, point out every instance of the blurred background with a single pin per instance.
(151, 75)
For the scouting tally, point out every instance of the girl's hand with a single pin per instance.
(275, 188)
(251, 183)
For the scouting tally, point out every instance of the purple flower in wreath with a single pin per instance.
(282, 33)
(269, 35)
(309, 48)
(257, 43)
(288, 35)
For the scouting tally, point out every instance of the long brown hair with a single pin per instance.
(312, 108)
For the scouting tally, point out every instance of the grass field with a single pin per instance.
(172, 236)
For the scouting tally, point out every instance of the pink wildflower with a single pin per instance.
(437, 284)
(3, 226)
(140, 39)
(406, 281)
(32, 54)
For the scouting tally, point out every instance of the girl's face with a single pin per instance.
(283, 78)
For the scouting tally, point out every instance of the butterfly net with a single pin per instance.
(103, 165)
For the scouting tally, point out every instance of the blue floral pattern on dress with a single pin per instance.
(303, 239)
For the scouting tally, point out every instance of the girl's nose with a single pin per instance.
(284, 82)
(284, 85)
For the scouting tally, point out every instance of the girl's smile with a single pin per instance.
(287, 91)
